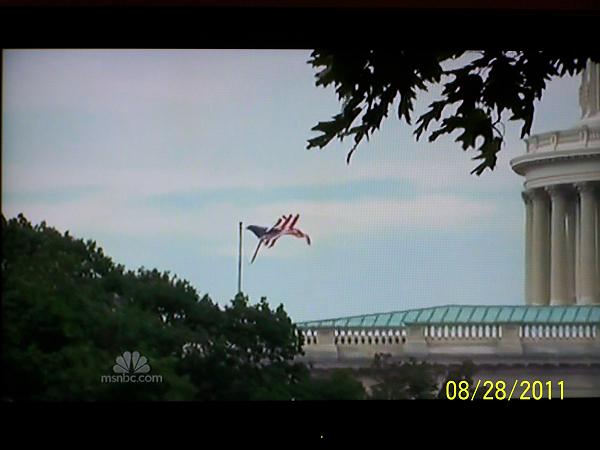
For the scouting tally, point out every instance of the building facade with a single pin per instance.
(562, 202)
(451, 333)
(556, 334)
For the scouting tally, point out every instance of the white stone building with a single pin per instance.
(556, 334)
(562, 191)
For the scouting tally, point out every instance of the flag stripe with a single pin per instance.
(284, 226)
(294, 221)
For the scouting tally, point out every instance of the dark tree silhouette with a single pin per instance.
(68, 311)
(491, 86)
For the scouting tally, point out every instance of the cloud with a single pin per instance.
(120, 80)
(436, 175)
(116, 161)
(109, 120)
(215, 224)
(427, 211)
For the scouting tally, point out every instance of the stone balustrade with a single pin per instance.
(433, 333)
(497, 341)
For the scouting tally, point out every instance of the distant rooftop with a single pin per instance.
(462, 314)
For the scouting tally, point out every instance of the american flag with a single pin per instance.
(285, 225)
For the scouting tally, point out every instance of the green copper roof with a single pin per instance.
(457, 314)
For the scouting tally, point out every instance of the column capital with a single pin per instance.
(556, 190)
(585, 186)
(537, 194)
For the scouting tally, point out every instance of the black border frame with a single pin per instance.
(289, 423)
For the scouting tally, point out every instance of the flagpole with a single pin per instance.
(240, 261)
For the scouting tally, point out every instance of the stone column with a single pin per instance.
(528, 229)
(597, 232)
(598, 243)
(540, 249)
(587, 245)
(589, 91)
(597, 192)
(571, 247)
(577, 247)
(559, 282)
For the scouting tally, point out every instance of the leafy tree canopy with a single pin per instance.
(415, 380)
(476, 97)
(69, 311)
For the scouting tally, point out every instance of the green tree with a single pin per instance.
(245, 353)
(457, 373)
(404, 380)
(415, 380)
(490, 86)
(341, 384)
(69, 311)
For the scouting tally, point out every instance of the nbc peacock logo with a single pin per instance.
(131, 363)
(131, 367)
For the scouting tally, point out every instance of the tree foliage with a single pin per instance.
(69, 311)
(476, 97)
(415, 380)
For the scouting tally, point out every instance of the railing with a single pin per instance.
(574, 331)
(436, 333)
(578, 138)
(482, 331)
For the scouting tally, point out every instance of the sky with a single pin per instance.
(158, 155)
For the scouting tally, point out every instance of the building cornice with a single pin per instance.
(581, 137)
(521, 164)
